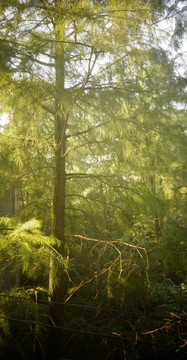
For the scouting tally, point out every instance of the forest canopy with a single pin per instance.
(93, 262)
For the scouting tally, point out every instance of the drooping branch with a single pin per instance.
(85, 131)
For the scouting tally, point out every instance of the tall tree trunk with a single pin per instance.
(58, 208)
(56, 277)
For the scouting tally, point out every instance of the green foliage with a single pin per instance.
(6, 52)
(173, 249)
(22, 314)
(25, 250)
(4, 328)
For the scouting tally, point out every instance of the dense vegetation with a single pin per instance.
(93, 264)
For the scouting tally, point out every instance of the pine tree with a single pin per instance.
(90, 76)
